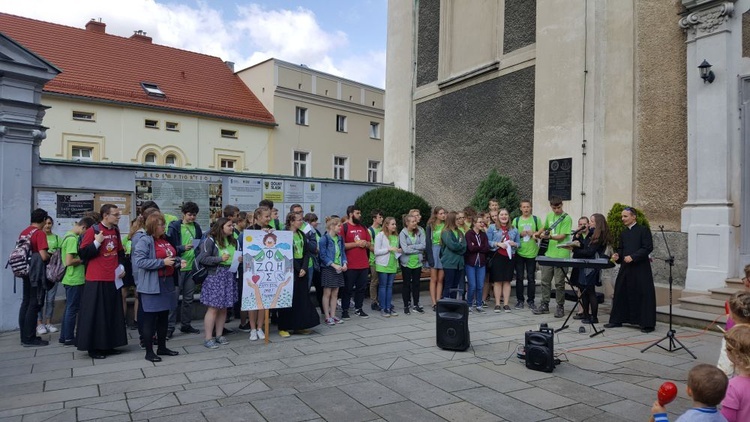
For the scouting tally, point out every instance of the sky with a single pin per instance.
(343, 37)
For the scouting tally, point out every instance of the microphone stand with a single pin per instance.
(671, 333)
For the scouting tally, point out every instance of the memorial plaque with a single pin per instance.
(560, 178)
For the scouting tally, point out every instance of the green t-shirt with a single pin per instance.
(187, 233)
(564, 227)
(437, 232)
(373, 232)
(127, 244)
(168, 218)
(337, 255)
(53, 242)
(229, 249)
(392, 266)
(74, 276)
(528, 248)
(413, 258)
(299, 245)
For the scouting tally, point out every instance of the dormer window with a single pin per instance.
(152, 89)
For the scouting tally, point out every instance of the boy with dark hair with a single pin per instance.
(274, 223)
(33, 283)
(557, 228)
(706, 385)
(357, 242)
(181, 234)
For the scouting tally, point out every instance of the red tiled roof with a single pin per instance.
(109, 67)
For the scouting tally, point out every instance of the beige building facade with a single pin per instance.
(328, 127)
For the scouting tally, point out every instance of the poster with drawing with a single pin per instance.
(267, 281)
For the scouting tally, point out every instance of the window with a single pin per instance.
(172, 126)
(301, 116)
(151, 124)
(340, 168)
(149, 158)
(301, 163)
(373, 170)
(82, 153)
(226, 133)
(171, 160)
(340, 123)
(227, 164)
(84, 115)
(374, 130)
(152, 89)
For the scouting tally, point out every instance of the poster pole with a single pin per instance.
(266, 322)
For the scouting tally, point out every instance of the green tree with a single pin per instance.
(393, 202)
(614, 221)
(499, 187)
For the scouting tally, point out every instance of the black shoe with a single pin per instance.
(579, 316)
(36, 342)
(97, 355)
(406, 310)
(189, 329)
(647, 330)
(361, 313)
(374, 306)
(167, 352)
(151, 357)
(418, 309)
(613, 325)
(345, 315)
(227, 331)
(541, 309)
(170, 334)
(69, 343)
(112, 352)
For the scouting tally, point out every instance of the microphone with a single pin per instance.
(579, 230)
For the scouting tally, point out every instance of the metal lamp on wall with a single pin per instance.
(706, 73)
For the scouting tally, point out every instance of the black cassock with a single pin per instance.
(635, 297)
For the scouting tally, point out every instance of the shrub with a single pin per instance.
(614, 221)
(393, 202)
(499, 187)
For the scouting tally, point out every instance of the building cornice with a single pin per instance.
(295, 95)
(706, 16)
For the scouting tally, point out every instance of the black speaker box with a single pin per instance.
(452, 322)
(540, 350)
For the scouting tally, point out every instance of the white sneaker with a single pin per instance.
(338, 303)
(41, 329)
(253, 335)
(51, 328)
(261, 336)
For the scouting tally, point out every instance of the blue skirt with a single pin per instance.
(220, 289)
(436, 263)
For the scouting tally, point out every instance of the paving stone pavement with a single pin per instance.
(363, 370)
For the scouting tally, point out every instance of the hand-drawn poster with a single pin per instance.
(268, 270)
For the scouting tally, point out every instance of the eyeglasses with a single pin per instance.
(116, 215)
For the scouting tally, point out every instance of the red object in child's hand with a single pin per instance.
(667, 392)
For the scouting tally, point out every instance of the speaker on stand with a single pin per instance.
(452, 320)
(539, 349)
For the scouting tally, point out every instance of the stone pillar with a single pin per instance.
(21, 80)
(712, 117)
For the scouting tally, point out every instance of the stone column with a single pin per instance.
(712, 117)
(21, 132)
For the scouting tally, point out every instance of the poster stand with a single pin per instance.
(267, 323)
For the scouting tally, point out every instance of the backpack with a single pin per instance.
(56, 266)
(21, 255)
(199, 272)
(536, 222)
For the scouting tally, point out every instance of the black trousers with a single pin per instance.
(529, 265)
(155, 322)
(316, 281)
(589, 301)
(30, 307)
(410, 286)
(356, 283)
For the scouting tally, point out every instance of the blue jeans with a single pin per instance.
(49, 305)
(451, 282)
(385, 290)
(72, 303)
(475, 276)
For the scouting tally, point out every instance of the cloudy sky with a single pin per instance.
(342, 37)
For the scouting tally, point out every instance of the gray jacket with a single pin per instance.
(209, 256)
(410, 247)
(146, 267)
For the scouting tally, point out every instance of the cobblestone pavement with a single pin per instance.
(362, 370)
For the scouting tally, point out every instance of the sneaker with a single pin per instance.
(519, 304)
(506, 309)
(345, 315)
(36, 342)
(498, 308)
(418, 309)
(245, 328)
(338, 304)
(374, 306)
(69, 343)
(330, 321)
(469, 308)
(253, 335)
(361, 313)
(385, 314)
(407, 311)
(541, 309)
(41, 329)
(337, 320)
(484, 303)
(222, 340)
(393, 311)
(560, 311)
(211, 344)
(261, 335)
(284, 334)
(51, 328)
(189, 329)
(531, 305)
(479, 310)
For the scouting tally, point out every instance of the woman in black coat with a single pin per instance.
(593, 245)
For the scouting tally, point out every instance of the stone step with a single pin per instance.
(723, 293)
(735, 282)
(702, 303)
(690, 318)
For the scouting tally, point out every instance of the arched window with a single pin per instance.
(150, 158)
(171, 160)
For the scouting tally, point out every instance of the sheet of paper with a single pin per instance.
(235, 262)
(509, 249)
(119, 271)
(306, 229)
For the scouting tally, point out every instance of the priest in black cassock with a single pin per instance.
(635, 298)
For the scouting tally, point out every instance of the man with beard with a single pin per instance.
(357, 244)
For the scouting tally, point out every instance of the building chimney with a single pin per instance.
(140, 35)
(230, 65)
(96, 26)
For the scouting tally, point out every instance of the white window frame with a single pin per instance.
(233, 167)
(297, 163)
(173, 164)
(374, 130)
(152, 89)
(229, 133)
(151, 124)
(172, 126)
(341, 123)
(81, 149)
(339, 168)
(301, 116)
(150, 163)
(375, 170)
(84, 116)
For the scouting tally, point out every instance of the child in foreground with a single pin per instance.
(706, 385)
(738, 312)
(736, 404)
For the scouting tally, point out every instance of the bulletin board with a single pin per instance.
(67, 207)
